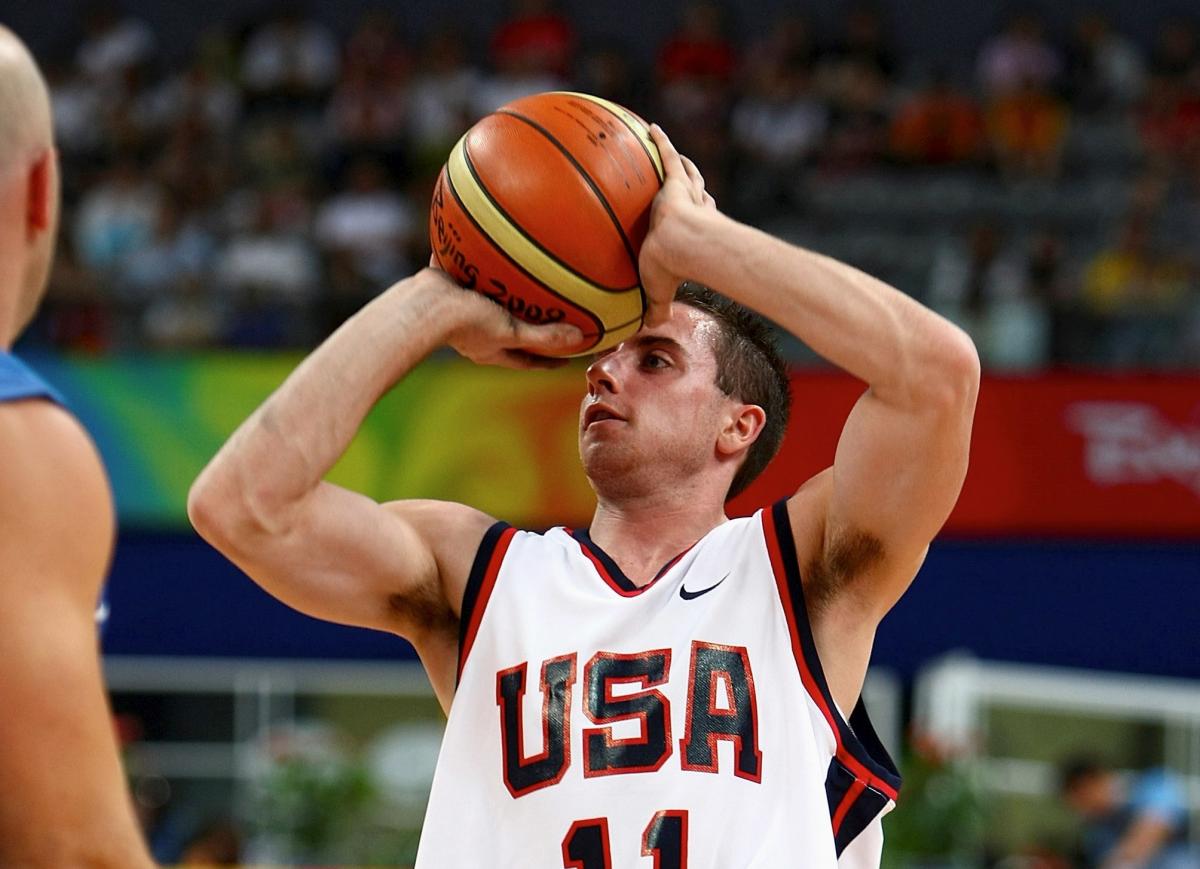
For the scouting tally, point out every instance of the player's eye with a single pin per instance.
(656, 360)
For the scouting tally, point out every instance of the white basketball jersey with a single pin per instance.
(683, 725)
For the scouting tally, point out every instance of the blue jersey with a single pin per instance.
(18, 381)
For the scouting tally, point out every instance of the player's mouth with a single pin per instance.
(598, 413)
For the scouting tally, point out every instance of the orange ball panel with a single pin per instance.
(537, 186)
(601, 142)
(471, 258)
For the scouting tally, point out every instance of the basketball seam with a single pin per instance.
(603, 105)
(595, 188)
(533, 241)
(654, 164)
(601, 330)
(534, 261)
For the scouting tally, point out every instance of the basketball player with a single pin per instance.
(63, 802)
(668, 687)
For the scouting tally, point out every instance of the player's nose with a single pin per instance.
(603, 375)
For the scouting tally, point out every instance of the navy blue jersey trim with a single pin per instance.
(483, 558)
(864, 807)
(868, 750)
(614, 571)
(615, 574)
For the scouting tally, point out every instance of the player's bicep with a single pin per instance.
(334, 554)
(340, 556)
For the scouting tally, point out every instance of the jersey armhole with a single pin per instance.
(480, 582)
(862, 780)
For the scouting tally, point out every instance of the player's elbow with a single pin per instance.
(951, 373)
(226, 512)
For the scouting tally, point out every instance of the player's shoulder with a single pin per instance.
(43, 442)
(55, 503)
(446, 521)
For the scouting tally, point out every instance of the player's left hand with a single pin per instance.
(664, 251)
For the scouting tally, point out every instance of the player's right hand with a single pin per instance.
(487, 334)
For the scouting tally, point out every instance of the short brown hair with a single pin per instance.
(750, 369)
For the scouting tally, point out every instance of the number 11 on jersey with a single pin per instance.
(665, 839)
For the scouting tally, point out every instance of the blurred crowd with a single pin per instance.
(261, 190)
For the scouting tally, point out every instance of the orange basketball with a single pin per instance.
(543, 206)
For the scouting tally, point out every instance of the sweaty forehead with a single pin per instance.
(693, 332)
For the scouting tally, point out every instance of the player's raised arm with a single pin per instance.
(333, 553)
(863, 526)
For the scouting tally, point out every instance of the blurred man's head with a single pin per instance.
(1089, 787)
(28, 187)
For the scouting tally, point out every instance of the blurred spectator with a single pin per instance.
(1177, 51)
(864, 47)
(165, 281)
(370, 224)
(270, 273)
(776, 127)
(695, 69)
(1104, 69)
(77, 316)
(1170, 120)
(117, 216)
(788, 42)
(536, 37)
(1141, 821)
(700, 51)
(985, 286)
(1136, 294)
(1027, 128)
(76, 105)
(440, 98)
(180, 251)
(276, 154)
(938, 125)
(113, 44)
(367, 113)
(523, 62)
(860, 121)
(290, 61)
(195, 94)
(605, 70)
(1019, 57)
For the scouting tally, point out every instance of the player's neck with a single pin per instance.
(643, 535)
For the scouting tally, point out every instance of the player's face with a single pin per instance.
(653, 410)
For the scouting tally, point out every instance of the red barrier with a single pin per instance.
(1063, 454)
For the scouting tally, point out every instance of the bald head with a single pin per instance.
(25, 125)
(28, 186)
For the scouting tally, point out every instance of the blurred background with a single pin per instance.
(240, 176)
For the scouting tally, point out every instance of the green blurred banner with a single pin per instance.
(503, 441)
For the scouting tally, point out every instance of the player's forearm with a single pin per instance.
(297, 435)
(906, 352)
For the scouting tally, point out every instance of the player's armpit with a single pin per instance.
(897, 472)
(863, 526)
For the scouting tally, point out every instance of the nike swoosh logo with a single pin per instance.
(692, 595)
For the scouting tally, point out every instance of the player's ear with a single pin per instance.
(41, 192)
(742, 428)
